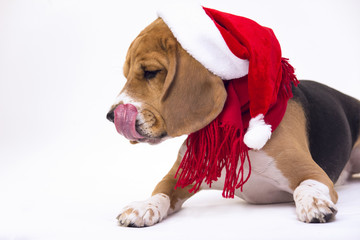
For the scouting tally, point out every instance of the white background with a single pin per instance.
(64, 171)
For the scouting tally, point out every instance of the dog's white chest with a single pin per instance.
(266, 183)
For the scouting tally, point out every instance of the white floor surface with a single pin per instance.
(64, 171)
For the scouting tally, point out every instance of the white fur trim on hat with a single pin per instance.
(199, 36)
(258, 133)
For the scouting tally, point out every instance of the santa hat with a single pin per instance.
(231, 47)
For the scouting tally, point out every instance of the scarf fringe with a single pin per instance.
(219, 146)
(211, 149)
(288, 77)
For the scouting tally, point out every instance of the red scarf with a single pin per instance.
(220, 144)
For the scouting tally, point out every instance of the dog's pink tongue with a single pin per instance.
(124, 119)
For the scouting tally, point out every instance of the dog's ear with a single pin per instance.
(192, 96)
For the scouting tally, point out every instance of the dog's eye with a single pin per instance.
(150, 74)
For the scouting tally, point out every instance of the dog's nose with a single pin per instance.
(110, 115)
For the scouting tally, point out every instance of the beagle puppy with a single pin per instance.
(316, 144)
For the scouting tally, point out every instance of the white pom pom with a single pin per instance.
(258, 133)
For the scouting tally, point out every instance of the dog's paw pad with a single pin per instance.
(146, 213)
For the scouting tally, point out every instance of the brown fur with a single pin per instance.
(167, 186)
(177, 102)
(179, 106)
(290, 149)
(184, 97)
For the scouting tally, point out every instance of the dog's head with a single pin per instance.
(168, 93)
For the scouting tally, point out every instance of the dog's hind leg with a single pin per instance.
(354, 162)
(165, 200)
(353, 165)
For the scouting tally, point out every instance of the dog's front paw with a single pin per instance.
(313, 202)
(145, 213)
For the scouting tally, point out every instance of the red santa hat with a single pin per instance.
(231, 47)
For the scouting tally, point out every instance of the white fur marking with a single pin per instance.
(266, 184)
(182, 149)
(345, 174)
(258, 133)
(145, 213)
(126, 99)
(313, 202)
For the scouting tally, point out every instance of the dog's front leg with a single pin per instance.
(165, 200)
(312, 189)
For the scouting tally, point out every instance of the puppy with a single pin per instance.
(317, 141)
